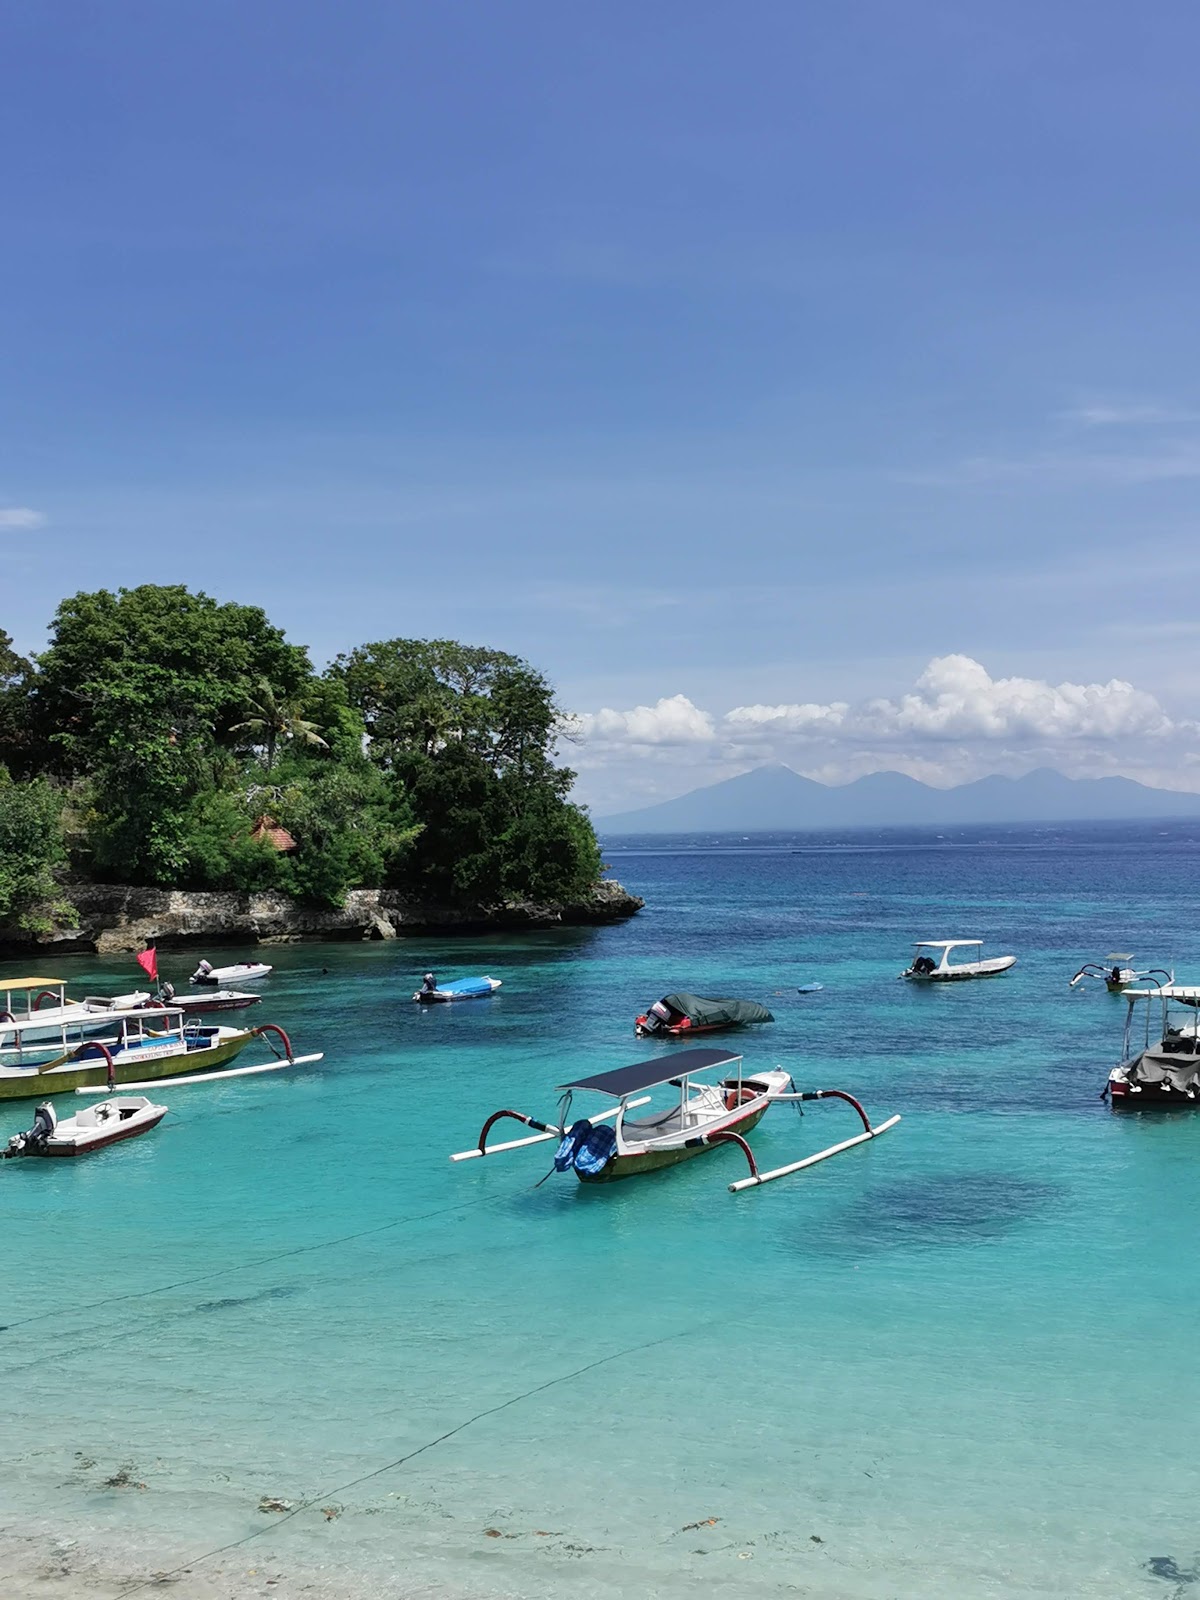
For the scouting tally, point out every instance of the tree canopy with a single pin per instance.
(159, 725)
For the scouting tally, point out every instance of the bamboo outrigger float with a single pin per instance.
(705, 1116)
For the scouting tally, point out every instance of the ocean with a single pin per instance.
(954, 1364)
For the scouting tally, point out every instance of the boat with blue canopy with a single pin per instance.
(719, 1108)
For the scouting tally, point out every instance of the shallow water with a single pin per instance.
(957, 1362)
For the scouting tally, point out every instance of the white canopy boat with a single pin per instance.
(33, 1009)
(107, 1122)
(1117, 974)
(1160, 1052)
(701, 1116)
(931, 964)
(241, 972)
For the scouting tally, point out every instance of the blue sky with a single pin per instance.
(749, 356)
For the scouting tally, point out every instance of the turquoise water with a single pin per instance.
(958, 1362)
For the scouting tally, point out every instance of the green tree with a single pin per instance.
(31, 851)
(140, 691)
(470, 733)
(15, 743)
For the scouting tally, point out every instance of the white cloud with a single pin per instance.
(20, 517)
(670, 721)
(956, 698)
(955, 723)
(1101, 415)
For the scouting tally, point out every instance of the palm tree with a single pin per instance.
(274, 719)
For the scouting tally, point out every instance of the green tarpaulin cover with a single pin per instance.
(711, 1013)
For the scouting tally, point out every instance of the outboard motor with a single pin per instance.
(34, 1139)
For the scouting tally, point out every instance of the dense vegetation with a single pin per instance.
(164, 738)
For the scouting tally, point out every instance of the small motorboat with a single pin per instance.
(680, 1016)
(218, 1000)
(242, 972)
(107, 1122)
(931, 964)
(433, 993)
(696, 1117)
(1118, 974)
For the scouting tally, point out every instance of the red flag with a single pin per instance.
(148, 961)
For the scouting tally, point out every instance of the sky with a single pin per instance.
(809, 383)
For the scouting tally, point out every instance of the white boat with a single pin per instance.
(932, 964)
(242, 972)
(107, 1122)
(34, 1009)
(1159, 1068)
(698, 1116)
(1117, 974)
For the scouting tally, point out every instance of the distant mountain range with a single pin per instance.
(775, 799)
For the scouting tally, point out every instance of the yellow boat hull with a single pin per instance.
(51, 1079)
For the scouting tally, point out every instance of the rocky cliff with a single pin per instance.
(111, 917)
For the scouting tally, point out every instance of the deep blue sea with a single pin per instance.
(955, 1364)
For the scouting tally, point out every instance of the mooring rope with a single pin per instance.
(400, 1461)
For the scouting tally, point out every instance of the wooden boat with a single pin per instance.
(1159, 1069)
(701, 1116)
(1117, 974)
(144, 1047)
(682, 1016)
(460, 989)
(240, 972)
(935, 966)
(94, 1127)
(37, 1008)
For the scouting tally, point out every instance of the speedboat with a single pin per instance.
(1117, 974)
(1159, 1067)
(931, 964)
(700, 1115)
(241, 972)
(460, 989)
(679, 1016)
(217, 1000)
(107, 1122)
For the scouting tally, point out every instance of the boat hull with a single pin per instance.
(981, 969)
(633, 1163)
(138, 1067)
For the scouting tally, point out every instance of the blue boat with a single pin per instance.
(433, 993)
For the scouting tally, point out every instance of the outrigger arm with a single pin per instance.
(757, 1178)
(547, 1130)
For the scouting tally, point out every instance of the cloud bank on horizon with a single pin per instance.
(955, 723)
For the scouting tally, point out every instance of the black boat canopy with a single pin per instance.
(648, 1074)
(716, 1013)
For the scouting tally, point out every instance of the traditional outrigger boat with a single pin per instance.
(1117, 974)
(1160, 1053)
(38, 1008)
(704, 1116)
(143, 1047)
(935, 967)
(94, 1127)
(681, 1016)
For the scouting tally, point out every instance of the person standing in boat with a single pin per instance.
(429, 984)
